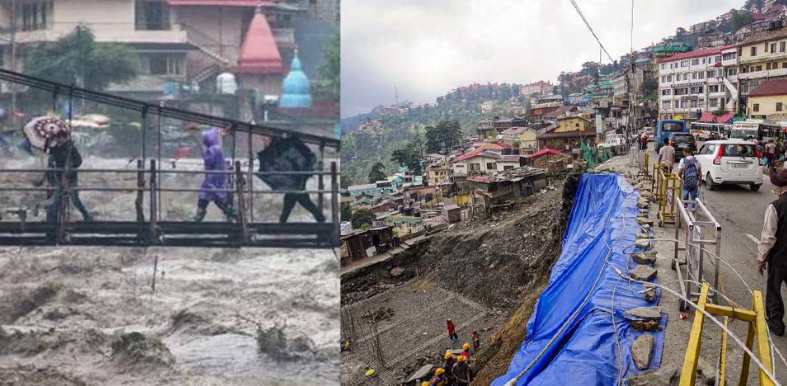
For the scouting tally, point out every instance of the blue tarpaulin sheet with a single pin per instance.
(602, 226)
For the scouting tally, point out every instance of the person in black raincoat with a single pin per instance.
(289, 155)
(64, 155)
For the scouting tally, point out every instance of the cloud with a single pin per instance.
(426, 48)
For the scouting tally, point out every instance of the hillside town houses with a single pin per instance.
(707, 73)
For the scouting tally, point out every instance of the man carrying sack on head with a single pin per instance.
(773, 251)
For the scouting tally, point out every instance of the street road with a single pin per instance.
(740, 212)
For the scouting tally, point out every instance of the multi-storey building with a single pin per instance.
(697, 81)
(763, 57)
(540, 88)
(186, 42)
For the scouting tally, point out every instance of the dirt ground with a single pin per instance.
(229, 317)
(481, 274)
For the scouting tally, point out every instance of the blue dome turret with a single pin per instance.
(296, 90)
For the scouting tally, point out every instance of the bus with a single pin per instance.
(745, 130)
(708, 131)
(667, 127)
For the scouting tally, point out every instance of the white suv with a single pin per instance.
(730, 161)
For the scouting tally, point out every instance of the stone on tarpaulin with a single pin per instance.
(651, 313)
(643, 273)
(643, 243)
(647, 258)
(644, 236)
(641, 351)
(650, 292)
(645, 220)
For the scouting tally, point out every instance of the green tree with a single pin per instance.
(408, 156)
(740, 19)
(650, 88)
(362, 217)
(330, 69)
(76, 59)
(346, 212)
(444, 136)
(377, 173)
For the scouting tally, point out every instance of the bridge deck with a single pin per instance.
(172, 234)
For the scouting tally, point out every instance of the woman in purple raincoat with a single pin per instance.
(214, 185)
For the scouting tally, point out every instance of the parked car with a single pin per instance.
(613, 141)
(681, 141)
(730, 162)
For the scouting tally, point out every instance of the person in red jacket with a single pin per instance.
(476, 341)
(451, 330)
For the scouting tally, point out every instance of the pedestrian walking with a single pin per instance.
(772, 251)
(439, 378)
(667, 154)
(451, 330)
(476, 341)
(65, 157)
(214, 185)
(770, 153)
(689, 170)
(643, 141)
(462, 372)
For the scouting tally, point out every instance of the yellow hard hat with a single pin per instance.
(466, 346)
(461, 358)
(425, 383)
(369, 372)
(439, 371)
(448, 355)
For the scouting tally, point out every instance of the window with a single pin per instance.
(491, 166)
(152, 15)
(756, 107)
(684, 63)
(669, 78)
(717, 59)
(754, 51)
(663, 66)
(729, 56)
(685, 76)
(666, 104)
(694, 104)
(766, 47)
(693, 75)
(758, 68)
(697, 90)
(732, 71)
(778, 106)
(162, 64)
(701, 75)
(773, 47)
(695, 62)
(767, 66)
(711, 73)
(475, 167)
(508, 167)
(713, 102)
(714, 88)
(681, 91)
(663, 79)
(782, 46)
(666, 92)
(35, 15)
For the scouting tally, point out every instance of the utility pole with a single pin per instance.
(11, 86)
(396, 95)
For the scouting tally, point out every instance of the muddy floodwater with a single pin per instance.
(90, 316)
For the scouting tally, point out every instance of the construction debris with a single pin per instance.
(646, 325)
(643, 243)
(649, 292)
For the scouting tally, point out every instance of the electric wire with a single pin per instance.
(576, 7)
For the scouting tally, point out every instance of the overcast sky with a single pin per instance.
(427, 47)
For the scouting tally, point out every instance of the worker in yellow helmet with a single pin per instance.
(461, 371)
(448, 365)
(439, 378)
(466, 350)
(425, 383)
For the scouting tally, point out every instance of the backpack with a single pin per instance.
(690, 175)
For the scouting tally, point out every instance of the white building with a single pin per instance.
(696, 82)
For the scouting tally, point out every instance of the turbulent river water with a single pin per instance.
(89, 316)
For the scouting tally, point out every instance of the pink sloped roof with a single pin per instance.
(259, 53)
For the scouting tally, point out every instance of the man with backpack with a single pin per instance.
(689, 170)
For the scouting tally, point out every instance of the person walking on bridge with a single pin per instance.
(772, 251)
(214, 186)
(65, 157)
